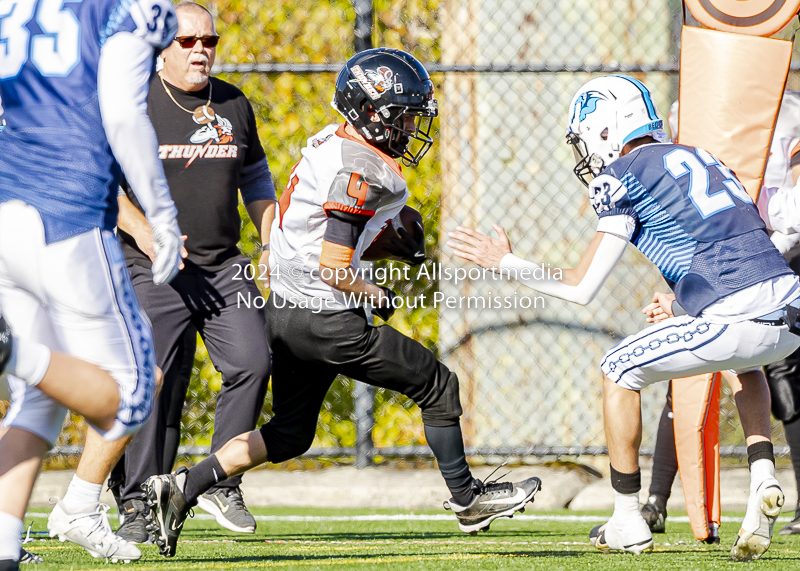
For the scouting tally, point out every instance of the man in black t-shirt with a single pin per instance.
(209, 147)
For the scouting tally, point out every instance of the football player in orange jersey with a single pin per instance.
(342, 193)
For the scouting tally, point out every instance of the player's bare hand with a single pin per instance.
(480, 248)
(262, 269)
(660, 308)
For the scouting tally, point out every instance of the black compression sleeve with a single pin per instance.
(345, 228)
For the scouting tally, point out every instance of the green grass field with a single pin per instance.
(313, 539)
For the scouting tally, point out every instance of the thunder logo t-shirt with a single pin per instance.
(203, 153)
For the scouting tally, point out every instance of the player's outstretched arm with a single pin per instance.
(578, 285)
(122, 85)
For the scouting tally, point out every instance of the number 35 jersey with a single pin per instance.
(337, 173)
(691, 217)
(54, 154)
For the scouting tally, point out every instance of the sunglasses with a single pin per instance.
(187, 42)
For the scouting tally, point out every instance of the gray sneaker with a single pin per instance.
(134, 528)
(227, 505)
(493, 500)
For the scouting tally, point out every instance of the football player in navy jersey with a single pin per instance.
(73, 83)
(736, 298)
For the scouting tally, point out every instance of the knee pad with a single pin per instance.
(444, 409)
(783, 378)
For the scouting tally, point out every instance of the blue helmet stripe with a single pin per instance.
(651, 109)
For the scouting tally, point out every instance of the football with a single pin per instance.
(407, 219)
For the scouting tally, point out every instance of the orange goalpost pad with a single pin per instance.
(731, 86)
(695, 410)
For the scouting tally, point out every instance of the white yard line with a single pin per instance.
(428, 517)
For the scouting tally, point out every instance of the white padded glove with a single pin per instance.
(167, 244)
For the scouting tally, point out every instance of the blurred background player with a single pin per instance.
(662, 198)
(75, 384)
(341, 194)
(74, 82)
(191, 110)
(783, 376)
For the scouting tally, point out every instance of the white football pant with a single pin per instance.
(74, 296)
(685, 346)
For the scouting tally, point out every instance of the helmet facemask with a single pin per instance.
(411, 145)
(587, 165)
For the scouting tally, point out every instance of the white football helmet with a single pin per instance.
(604, 115)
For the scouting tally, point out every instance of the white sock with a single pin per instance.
(761, 470)
(81, 496)
(626, 505)
(29, 361)
(10, 532)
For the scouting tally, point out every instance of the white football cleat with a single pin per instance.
(632, 535)
(755, 535)
(92, 532)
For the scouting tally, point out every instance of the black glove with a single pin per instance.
(386, 307)
(411, 249)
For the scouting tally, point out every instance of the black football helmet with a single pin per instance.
(375, 92)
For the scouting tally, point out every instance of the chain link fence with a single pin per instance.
(504, 73)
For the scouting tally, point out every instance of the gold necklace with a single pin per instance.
(210, 87)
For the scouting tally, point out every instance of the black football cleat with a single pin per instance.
(169, 509)
(493, 500)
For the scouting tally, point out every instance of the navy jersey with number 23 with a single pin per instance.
(689, 214)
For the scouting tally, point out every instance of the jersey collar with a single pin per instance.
(341, 132)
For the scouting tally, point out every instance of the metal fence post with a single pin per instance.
(363, 27)
(364, 395)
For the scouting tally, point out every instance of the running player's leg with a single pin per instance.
(97, 317)
(31, 427)
(386, 358)
(33, 421)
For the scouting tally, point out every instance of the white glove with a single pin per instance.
(167, 244)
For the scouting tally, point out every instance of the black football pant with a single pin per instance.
(235, 337)
(308, 351)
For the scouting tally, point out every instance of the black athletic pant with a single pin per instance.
(665, 457)
(235, 336)
(308, 351)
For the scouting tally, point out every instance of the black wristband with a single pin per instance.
(626, 483)
(760, 451)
